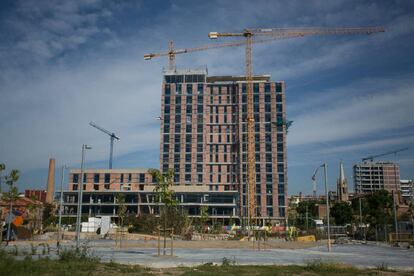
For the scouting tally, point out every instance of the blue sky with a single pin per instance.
(65, 63)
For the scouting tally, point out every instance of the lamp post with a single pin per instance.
(80, 189)
(60, 206)
(325, 166)
(327, 205)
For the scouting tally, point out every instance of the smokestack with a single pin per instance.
(51, 181)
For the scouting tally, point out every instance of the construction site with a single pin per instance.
(220, 193)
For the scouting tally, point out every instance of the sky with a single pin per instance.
(66, 63)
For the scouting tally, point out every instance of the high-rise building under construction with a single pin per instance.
(204, 137)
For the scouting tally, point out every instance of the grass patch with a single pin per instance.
(312, 268)
(74, 262)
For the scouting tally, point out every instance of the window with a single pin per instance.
(107, 177)
(129, 177)
(278, 87)
(268, 168)
(268, 147)
(187, 178)
(255, 88)
(187, 167)
(188, 158)
(269, 200)
(199, 147)
(167, 100)
(75, 178)
(142, 177)
(96, 178)
(122, 177)
(280, 189)
(199, 89)
(279, 167)
(167, 89)
(200, 156)
(267, 87)
(200, 178)
(269, 178)
(178, 88)
(189, 89)
(199, 168)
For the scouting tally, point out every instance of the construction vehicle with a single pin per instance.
(372, 157)
(112, 137)
(273, 33)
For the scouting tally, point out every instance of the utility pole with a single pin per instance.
(80, 189)
(360, 218)
(60, 207)
(327, 205)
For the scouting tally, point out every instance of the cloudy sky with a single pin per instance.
(65, 63)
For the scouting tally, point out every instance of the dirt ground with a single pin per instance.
(219, 244)
(151, 243)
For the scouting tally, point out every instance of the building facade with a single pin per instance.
(204, 137)
(373, 176)
(102, 186)
(407, 191)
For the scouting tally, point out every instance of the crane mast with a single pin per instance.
(274, 33)
(112, 138)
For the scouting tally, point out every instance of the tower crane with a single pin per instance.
(112, 137)
(171, 52)
(275, 33)
(371, 158)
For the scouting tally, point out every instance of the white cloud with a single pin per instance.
(356, 116)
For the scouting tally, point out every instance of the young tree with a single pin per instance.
(164, 194)
(122, 209)
(11, 196)
(342, 213)
(203, 218)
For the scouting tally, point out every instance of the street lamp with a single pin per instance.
(325, 167)
(80, 189)
(60, 206)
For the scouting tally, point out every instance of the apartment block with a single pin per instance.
(407, 190)
(101, 188)
(204, 137)
(373, 176)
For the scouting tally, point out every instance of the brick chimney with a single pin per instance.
(51, 181)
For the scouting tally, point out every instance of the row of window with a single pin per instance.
(107, 178)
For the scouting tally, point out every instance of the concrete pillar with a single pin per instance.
(51, 181)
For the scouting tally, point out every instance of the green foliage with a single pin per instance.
(177, 220)
(145, 223)
(376, 208)
(341, 212)
(122, 209)
(162, 189)
(12, 194)
(48, 215)
(204, 214)
(308, 206)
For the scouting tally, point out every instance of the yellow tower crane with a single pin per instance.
(171, 52)
(272, 34)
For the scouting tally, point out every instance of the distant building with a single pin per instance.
(407, 190)
(39, 195)
(342, 185)
(374, 176)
